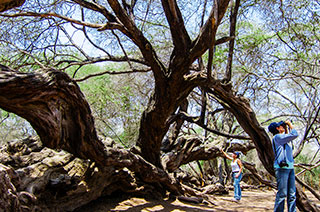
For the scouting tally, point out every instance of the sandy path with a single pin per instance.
(252, 200)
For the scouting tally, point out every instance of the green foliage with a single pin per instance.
(115, 101)
(312, 178)
(13, 127)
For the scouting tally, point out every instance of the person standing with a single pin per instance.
(236, 167)
(283, 164)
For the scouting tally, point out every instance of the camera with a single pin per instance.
(285, 126)
(282, 123)
(283, 164)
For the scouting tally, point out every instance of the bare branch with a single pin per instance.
(46, 15)
(98, 8)
(306, 168)
(122, 48)
(137, 37)
(207, 34)
(309, 188)
(73, 43)
(99, 59)
(180, 37)
(87, 36)
(112, 73)
(233, 21)
(311, 121)
(196, 120)
(223, 40)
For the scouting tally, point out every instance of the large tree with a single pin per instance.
(38, 89)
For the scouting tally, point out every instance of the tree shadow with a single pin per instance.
(135, 204)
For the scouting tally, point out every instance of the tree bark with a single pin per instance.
(171, 85)
(9, 4)
(191, 148)
(58, 111)
(50, 180)
(9, 200)
(241, 109)
(55, 107)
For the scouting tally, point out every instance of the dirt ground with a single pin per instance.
(252, 200)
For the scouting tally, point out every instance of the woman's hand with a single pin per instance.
(237, 175)
(221, 150)
(289, 124)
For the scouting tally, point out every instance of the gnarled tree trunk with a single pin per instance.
(58, 111)
(44, 179)
(174, 84)
(241, 109)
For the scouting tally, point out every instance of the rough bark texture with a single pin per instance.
(192, 148)
(56, 108)
(9, 4)
(241, 109)
(49, 180)
(172, 85)
(9, 200)
(42, 179)
(57, 180)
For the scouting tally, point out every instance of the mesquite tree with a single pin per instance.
(124, 31)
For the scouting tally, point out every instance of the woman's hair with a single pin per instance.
(237, 154)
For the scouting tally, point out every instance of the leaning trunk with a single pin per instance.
(58, 111)
(241, 109)
(55, 107)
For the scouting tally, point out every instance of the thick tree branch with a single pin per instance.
(207, 34)
(233, 21)
(240, 108)
(137, 37)
(58, 111)
(192, 148)
(180, 37)
(98, 8)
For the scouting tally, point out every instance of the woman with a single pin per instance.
(236, 167)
